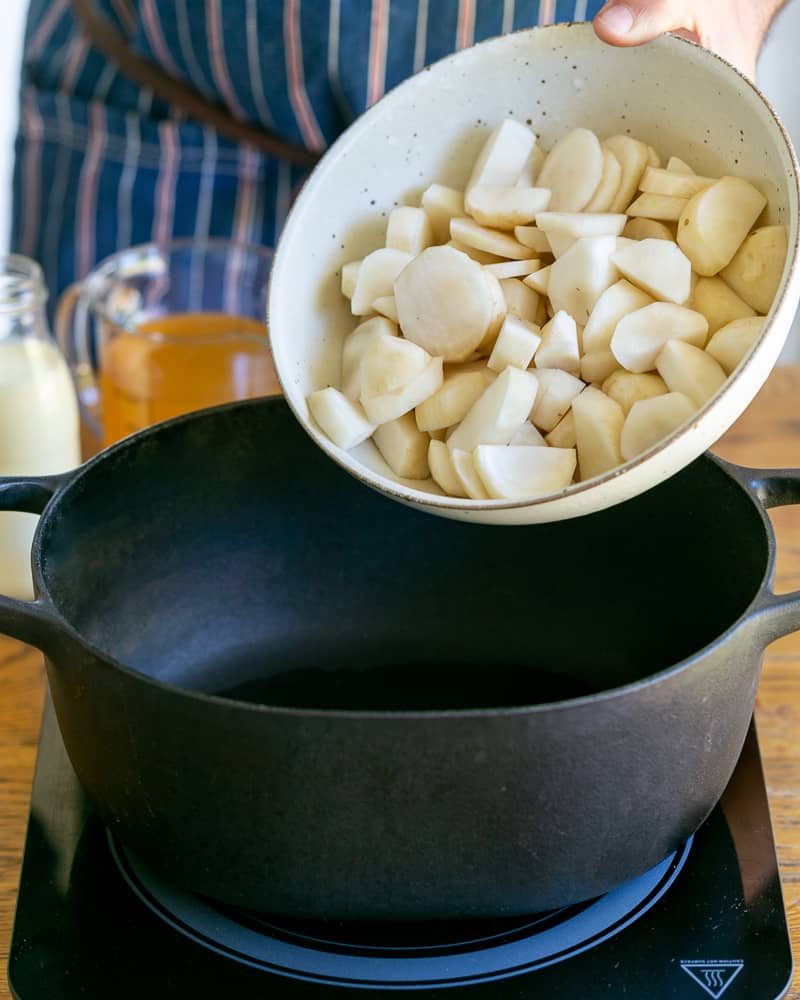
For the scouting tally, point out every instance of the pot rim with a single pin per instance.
(60, 623)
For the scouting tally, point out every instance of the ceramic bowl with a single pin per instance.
(680, 98)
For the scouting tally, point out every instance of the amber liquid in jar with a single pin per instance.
(175, 364)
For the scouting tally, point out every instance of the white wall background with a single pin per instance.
(777, 76)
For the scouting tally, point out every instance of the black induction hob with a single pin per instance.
(94, 922)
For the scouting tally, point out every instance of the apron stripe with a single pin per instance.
(216, 41)
(580, 10)
(334, 29)
(46, 29)
(31, 174)
(86, 210)
(283, 194)
(465, 33)
(254, 64)
(421, 35)
(298, 96)
(127, 181)
(242, 223)
(378, 38)
(547, 11)
(126, 15)
(196, 74)
(164, 208)
(508, 16)
(75, 61)
(155, 35)
(57, 197)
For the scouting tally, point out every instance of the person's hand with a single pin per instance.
(733, 28)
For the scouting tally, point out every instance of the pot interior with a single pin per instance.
(225, 553)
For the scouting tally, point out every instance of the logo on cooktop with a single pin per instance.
(713, 977)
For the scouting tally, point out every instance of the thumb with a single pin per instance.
(632, 22)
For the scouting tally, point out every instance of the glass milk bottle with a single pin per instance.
(39, 428)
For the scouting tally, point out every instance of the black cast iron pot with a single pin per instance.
(294, 695)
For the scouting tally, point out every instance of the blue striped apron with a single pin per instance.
(102, 164)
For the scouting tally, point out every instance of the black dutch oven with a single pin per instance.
(291, 694)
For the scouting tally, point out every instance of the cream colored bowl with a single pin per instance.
(678, 97)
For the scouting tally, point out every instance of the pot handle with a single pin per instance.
(33, 622)
(776, 615)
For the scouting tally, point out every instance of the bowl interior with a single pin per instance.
(671, 94)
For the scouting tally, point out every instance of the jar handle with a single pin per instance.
(73, 337)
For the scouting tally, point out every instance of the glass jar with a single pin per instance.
(39, 426)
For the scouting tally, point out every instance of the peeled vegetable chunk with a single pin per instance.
(577, 224)
(447, 303)
(532, 238)
(449, 404)
(756, 269)
(657, 206)
(539, 281)
(441, 204)
(653, 159)
(639, 337)
(559, 346)
(658, 267)
(343, 421)
(376, 278)
(647, 229)
(514, 268)
(520, 300)
(504, 155)
(404, 447)
(355, 347)
(409, 230)
(471, 482)
(730, 344)
(442, 470)
(495, 241)
(386, 306)
(533, 165)
(516, 344)
(689, 370)
(505, 207)
(500, 411)
(557, 390)
(349, 277)
(478, 255)
(563, 434)
(598, 425)
(528, 435)
(579, 278)
(572, 171)
(617, 301)
(603, 198)
(390, 363)
(391, 405)
(632, 156)
(677, 166)
(718, 303)
(597, 366)
(672, 184)
(512, 473)
(716, 221)
(628, 388)
(651, 420)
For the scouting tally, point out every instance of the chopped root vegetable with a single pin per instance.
(573, 170)
(441, 204)
(513, 472)
(471, 482)
(500, 411)
(730, 344)
(586, 294)
(505, 207)
(409, 230)
(442, 470)
(343, 421)
(640, 335)
(651, 420)
(716, 221)
(447, 303)
(404, 447)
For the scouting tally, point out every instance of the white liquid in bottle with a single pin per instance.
(39, 436)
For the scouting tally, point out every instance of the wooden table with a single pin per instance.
(768, 435)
